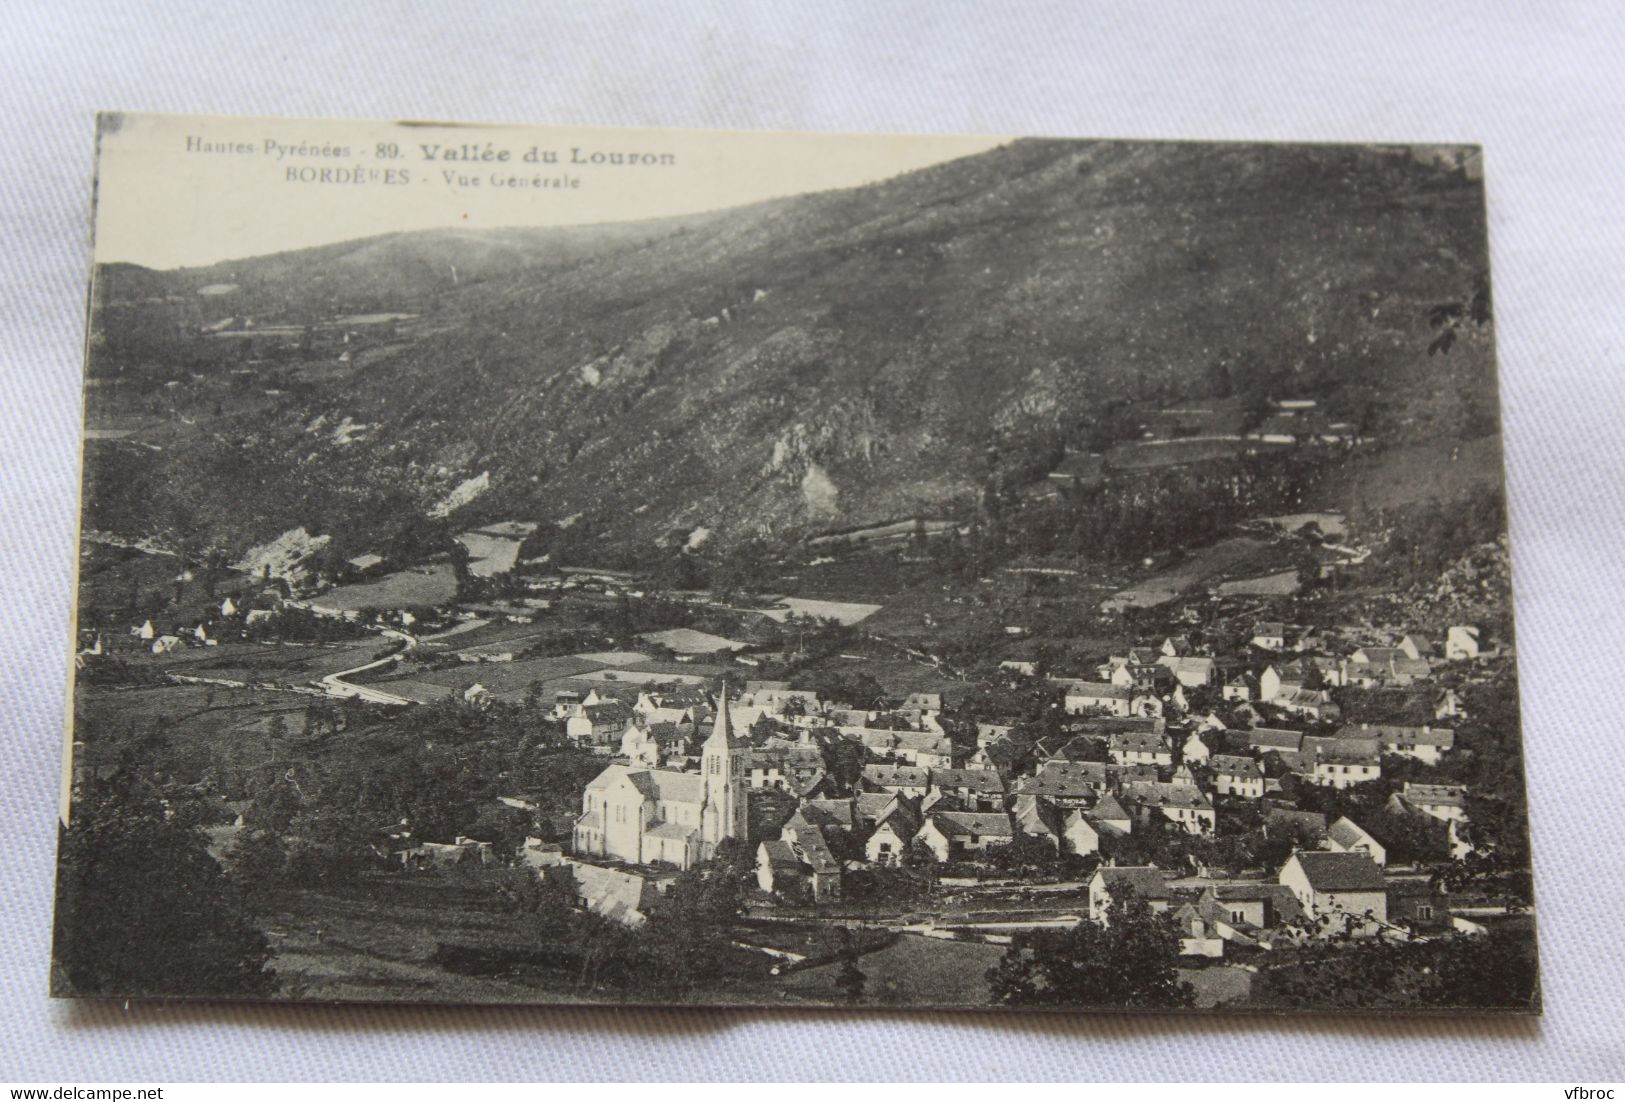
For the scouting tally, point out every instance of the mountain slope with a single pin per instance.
(844, 357)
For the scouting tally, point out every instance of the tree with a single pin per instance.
(1131, 962)
(690, 935)
(144, 910)
(1493, 971)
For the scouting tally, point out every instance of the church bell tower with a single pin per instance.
(724, 767)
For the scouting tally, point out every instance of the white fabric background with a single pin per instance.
(1541, 85)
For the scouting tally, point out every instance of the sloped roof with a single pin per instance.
(779, 854)
(811, 847)
(674, 832)
(1442, 737)
(1348, 834)
(1291, 816)
(1333, 751)
(912, 776)
(1137, 742)
(1185, 664)
(986, 823)
(978, 780)
(1162, 794)
(1099, 690)
(1108, 809)
(1274, 738)
(676, 787)
(1278, 896)
(1435, 795)
(1036, 816)
(827, 813)
(1146, 881)
(1339, 872)
(1234, 765)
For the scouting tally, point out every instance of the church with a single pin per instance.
(649, 816)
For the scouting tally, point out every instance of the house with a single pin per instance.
(1234, 775)
(1067, 784)
(1198, 936)
(1338, 891)
(1248, 913)
(1315, 704)
(1037, 817)
(815, 867)
(1193, 673)
(1269, 635)
(1144, 882)
(1416, 646)
(929, 703)
(1278, 680)
(1347, 836)
(975, 789)
(896, 827)
(1194, 751)
(1176, 646)
(906, 780)
(960, 835)
(786, 768)
(1139, 748)
(599, 726)
(1307, 828)
(662, 816)
(1258, 905)
(1183, 804)
(1447, 705)
(1092, 696)
(1242, 687)
(1109, 817)
(1425, 744)
(1446, 802)
(461, 851)
(623, 895)
(1386, 666)
(650, 744)
(1416, 904)
(988, 733)
(1262, 740)
(833, 817)
(923, 748)
(1461, 643)
(777, 866)
(1340, 763)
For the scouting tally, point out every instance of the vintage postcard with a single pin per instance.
(543, 565)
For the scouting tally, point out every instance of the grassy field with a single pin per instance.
(689, 641)
(1227, 557)
(199, 722)
(501, 678)
(420, 587)
(372, 940)
(284, 664)
(916, 971)
(1390, 478)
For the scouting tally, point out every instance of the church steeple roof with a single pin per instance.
(722, 732)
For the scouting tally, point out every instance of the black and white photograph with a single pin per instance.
(541, 565)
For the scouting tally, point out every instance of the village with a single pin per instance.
(1267, 783)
